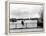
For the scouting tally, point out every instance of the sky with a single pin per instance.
(25, 11)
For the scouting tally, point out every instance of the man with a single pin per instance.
(22, 22)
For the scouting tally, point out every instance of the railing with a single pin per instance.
(25, 26)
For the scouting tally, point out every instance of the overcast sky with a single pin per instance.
(25, 11)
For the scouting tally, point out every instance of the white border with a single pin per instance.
(7, 11)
